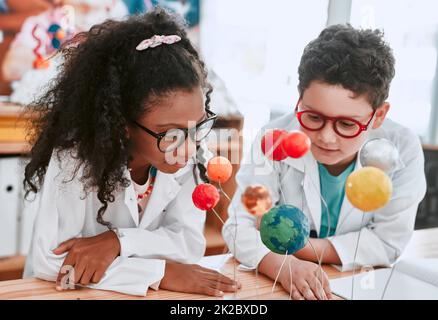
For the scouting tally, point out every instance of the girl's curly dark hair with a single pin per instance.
(103, 83)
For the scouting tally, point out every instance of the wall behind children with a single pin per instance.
(257, 45)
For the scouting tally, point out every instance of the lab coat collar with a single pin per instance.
(311, 186)
(346, 207)
(312, 190)
(165, 190)
(308, 166)
(311, 182)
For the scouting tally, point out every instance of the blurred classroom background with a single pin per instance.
(252, 49)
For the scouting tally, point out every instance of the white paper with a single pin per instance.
(405, 283)
(215, 262)
(422, 269)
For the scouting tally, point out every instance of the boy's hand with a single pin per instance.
(309, 281)
(90, 257)
(192, 278)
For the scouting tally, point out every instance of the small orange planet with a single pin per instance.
(256, 200)
(219, 169)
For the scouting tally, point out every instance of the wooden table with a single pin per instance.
(424, 244)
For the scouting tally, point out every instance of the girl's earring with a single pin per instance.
(129, 169)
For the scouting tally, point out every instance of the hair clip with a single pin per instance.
(156, 41)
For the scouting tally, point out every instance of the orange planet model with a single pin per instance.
(219, 169)
(256, 200)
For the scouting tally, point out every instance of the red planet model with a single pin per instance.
(296, 144)
(271, 144)
(205, 196)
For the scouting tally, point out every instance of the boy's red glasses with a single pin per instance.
(343, 126)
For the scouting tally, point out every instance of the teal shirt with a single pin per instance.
(332, 191)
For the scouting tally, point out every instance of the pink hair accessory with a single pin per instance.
(156, 41)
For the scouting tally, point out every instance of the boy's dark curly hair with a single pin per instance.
(359, 60)
(104, 83)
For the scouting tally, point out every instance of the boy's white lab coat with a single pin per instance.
(384, 233)
(171, 227)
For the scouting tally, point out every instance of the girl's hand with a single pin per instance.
(192, 278)
(309, 281)
(89, 257)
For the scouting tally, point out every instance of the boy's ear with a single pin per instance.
(380, 115)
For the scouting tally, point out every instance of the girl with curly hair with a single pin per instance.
(117, 152)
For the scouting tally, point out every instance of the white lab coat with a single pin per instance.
(171, 227)
(384, 233)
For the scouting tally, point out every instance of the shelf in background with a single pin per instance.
(13, 122)
(11, 267)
